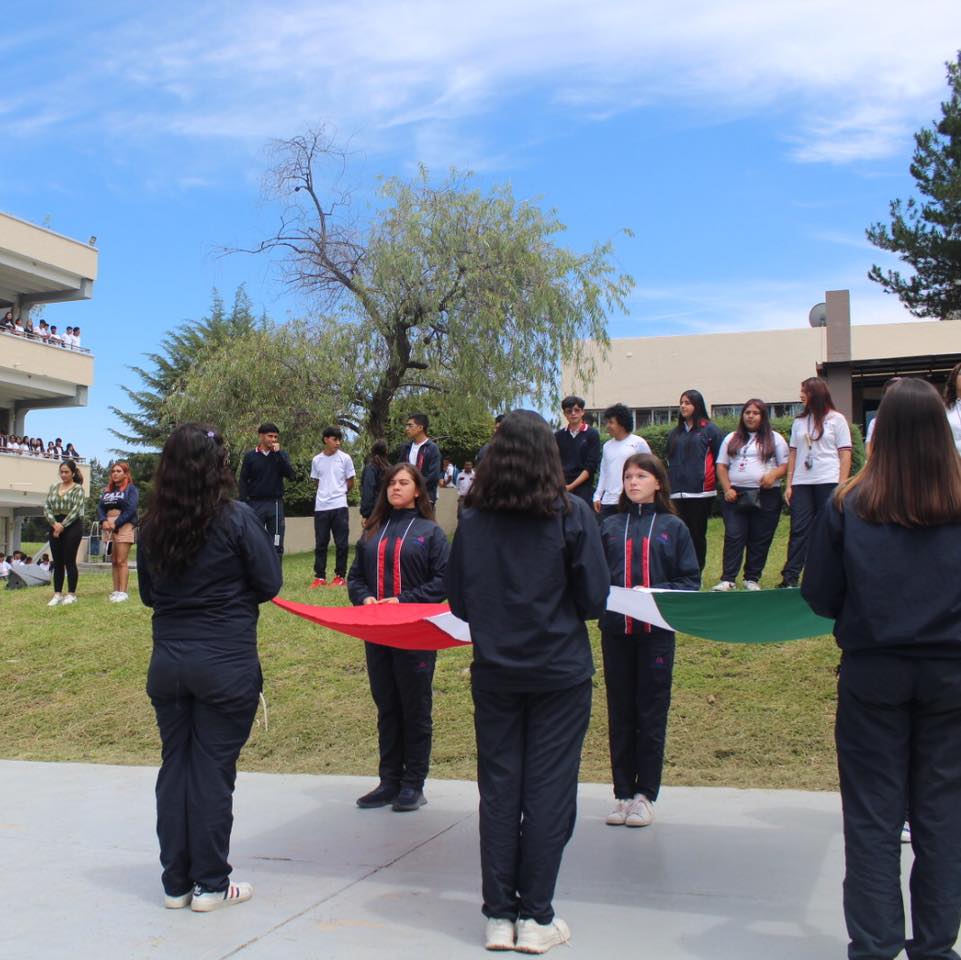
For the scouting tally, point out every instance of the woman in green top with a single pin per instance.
(64, 512)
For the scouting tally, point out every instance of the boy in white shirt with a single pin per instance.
(334, 472)
(623, 444)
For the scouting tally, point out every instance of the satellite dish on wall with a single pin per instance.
(818, 315)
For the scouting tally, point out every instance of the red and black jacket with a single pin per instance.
(691, 458)
(645, 548)
(406, 558)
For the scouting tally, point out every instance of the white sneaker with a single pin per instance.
(534, 937)
(118, 597)
(69, 598)
(203, 901)
(906, 832)
(619, 814)
(641, 813)
(724, 586)
(751, 585)
(113, 596)
(55, 601)
(178, 903)
(499, 934)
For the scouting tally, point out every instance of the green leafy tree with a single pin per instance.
(926, 233)
(447, 290)
(149, 422)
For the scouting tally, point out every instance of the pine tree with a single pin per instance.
(148, 424)
(926, 233)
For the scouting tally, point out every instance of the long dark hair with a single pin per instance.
(699, 421)
(914, 475)
(817, 405)
(74, 470)
(951, 387)
(521, 472)
(649, 464)
(765, 435)
(382, 508)
(191, 487)
(378, 456)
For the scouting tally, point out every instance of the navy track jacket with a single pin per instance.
(692, 458)
(890, 589)
(406, 558)
(645, 548)
(428, 462)
(526, 585)
(217, 596)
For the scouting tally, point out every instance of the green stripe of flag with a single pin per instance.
(764, 616)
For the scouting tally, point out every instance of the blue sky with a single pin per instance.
(747, 145)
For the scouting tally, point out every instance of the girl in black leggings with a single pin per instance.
(63, 510)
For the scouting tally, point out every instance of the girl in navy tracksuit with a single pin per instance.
(692, 450)
(647, 545)
(401, 558)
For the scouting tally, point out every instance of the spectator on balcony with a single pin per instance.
(76, 337)
(58, 447)
(54, 336)
(28, 329)
(7, 320)
(18, 327)
(43, 331)
(51, 451)
(70, 453)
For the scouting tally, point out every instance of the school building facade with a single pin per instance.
(37, 266)
(648, 374)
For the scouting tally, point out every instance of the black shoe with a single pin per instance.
(408, 800)
(381, 796)
(786, 584)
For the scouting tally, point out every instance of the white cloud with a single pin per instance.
(853, 76)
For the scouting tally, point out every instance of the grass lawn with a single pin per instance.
(72, 688)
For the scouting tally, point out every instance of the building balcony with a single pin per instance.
(34, 374)
(25, 480)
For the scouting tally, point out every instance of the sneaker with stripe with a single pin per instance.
(203, 900)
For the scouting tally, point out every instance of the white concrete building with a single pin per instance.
(37, 266)
(649, 373)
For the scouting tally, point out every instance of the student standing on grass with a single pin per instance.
(820, 458)
(117, 513)
(261, 483)
(623, 444)
(421, 452)
(647, 545)
(883, 564)
(205, 564)
(579, 446)
(526, 570)
(63, 510)
(371, 478)
(692, 450)
(752, 461)
(401, 558)
(334, 472)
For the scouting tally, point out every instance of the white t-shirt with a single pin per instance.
(331, 473)
(954, 419)
(869, 436)
(746, 468)
(821, 454)
(448, 475)
(414, 450)
(610, 476)
(4, 568)
(464, 482)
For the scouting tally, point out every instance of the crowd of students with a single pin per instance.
(35, 447)
(46, 333)
(529, 564)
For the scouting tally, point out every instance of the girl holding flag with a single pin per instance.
(647, 545)
(401, 558)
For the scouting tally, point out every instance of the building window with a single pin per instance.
(786, 409)
(733, 410)
(725, 410)
(647, 416)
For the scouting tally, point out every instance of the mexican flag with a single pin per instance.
(765, 616)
